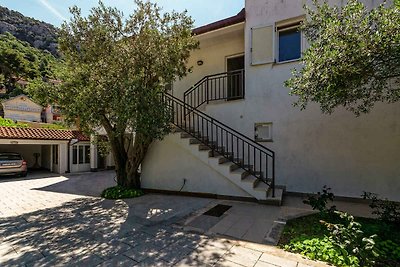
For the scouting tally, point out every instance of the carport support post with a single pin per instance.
(93, 153)
(63, 157)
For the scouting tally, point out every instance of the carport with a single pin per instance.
(43, 149)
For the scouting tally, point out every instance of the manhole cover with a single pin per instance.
(217, 211)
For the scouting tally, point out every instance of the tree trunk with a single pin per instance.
(127, 157)
(136, 155)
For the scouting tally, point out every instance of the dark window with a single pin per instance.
(80, 154)
(74, 155)
(235, 79)
(10, 157)
(289, 44)
(87, 154)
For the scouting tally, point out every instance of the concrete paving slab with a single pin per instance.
(52, 221)
(243, 256)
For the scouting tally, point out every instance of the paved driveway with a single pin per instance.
(59, 221)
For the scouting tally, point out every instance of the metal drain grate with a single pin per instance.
(217, 211)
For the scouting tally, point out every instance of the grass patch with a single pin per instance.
(307, 236)
(119, 192)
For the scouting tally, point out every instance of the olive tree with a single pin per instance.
(116, 69)
(353, 59)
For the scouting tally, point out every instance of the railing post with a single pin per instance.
(273, 175)
(243, 83)
(208, 99)
(212, 138)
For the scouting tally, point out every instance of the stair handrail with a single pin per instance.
(180, 120)
(221, 123)
(205, 79)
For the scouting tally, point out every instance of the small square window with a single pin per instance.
(263, 132)
(289, 43)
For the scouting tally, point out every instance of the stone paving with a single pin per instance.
(60, 221)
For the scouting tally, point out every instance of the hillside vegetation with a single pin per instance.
(20, 62)
(38, 34)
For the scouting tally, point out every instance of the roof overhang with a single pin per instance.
(240, 18)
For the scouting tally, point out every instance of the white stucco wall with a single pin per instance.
(214, 48)
(346, 153)
(350, 154)
(167, 163)
(22, 108)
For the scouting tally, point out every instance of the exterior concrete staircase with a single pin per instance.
(232, 172)
(244, 162)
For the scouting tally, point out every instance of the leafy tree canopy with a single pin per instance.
(20, 61)
(353, 59)
(116, 69)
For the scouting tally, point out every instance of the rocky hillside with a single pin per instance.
(37, 33)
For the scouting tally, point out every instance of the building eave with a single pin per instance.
(237, 19)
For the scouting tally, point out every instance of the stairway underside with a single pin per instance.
(231, 171)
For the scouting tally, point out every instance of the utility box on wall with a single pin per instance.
(263, 132)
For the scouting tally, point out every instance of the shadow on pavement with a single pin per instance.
(92, 231)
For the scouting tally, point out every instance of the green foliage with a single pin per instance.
(386, 210)
(11, 123)
(389, 252)
(20, 61)
(353, 59)
(348, 236)
(300, 235)
(54, 126)
(116, 69)
(319, 201)
(322, 249)
(119, 192)
(38, 34)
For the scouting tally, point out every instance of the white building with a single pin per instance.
(58, 151)
(251, 107)
(22, 108)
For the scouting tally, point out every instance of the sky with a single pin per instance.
(56, 11)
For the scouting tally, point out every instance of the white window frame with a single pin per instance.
(273, 45)
(277, 40)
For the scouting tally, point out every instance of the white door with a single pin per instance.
(80, 158)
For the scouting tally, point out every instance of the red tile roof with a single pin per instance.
(40, 134)
(240, 17)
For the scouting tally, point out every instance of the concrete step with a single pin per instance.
(277, 200)
(250, 179)
(223, 162)
(243, 174)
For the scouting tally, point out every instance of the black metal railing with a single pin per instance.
(222, 140)
(222, 86)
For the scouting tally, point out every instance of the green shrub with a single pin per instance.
(386, 210)
(11, 123)
(348, 236)
(389, 252)
(119, 192)
(304, 229)
(319, 201)
(53, 126)
(322, 249)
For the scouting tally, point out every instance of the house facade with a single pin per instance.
(22, 108)
(57, 151)
(256, 139)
